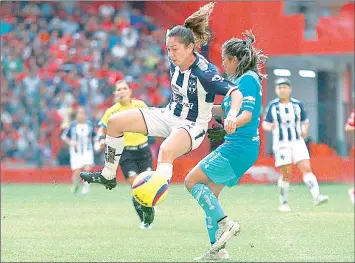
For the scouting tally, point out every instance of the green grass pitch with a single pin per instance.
(48, 223)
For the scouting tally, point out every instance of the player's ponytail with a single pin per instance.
(249, 57)
(195, 29)
(198, 22)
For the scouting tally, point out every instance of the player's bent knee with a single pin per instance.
(114, 123)
(166, 154)
(189, 182)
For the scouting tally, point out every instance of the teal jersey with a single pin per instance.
(249, 85)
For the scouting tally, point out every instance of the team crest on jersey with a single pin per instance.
(192, 85)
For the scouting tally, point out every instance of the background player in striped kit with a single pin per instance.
(350, 128)
(136, 156)
(228, 163)
(184, 121)
(79, 136)
(287, 119)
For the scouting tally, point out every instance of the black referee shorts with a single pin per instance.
(136, 161)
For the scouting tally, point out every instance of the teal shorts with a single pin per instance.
(228, 163)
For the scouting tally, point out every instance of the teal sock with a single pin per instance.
(208, 201)
(212, 228)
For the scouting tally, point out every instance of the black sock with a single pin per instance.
(138, 208)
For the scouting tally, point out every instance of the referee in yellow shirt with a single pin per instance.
(136, 157)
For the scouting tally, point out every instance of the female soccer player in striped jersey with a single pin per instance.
(184, 121)
(80, 136)
(227, 164)
(287, 119)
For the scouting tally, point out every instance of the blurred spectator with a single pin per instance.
(57, 55)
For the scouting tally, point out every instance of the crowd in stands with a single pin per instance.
(57, 55)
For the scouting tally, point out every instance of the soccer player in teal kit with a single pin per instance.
(227, 164)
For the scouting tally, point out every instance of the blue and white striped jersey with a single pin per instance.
(288, 118)
(194, 90)
(83, 134)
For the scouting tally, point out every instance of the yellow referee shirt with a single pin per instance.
(130, 138)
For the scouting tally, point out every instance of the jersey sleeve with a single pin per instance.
(213, 83)
(141, 104)
(249, 89)
(351, 119)
(304, 117)
(104, 119)
(268, 115)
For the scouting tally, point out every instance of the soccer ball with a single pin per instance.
(150, 188)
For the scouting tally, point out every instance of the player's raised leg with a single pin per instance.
(311, 181)
(126, 121)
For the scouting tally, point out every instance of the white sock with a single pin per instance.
(165, 169)
(311, 181)
(86, 188)
(113, 151)
(284, 186)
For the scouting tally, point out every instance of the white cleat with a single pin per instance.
(320, 199)
(227, 229)
(284, 208)
(142, 225)
(217, 255)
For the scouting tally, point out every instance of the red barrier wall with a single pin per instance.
(327, 169)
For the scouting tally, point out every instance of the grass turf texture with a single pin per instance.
(48, 223)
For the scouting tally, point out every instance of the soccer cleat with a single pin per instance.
(96, 177)
(217, 255)
(227, 229)
(148, 215)
(320, 199)
(145, 226)
(284, 208)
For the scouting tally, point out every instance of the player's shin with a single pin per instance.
(113, 151)
(284, 187)
(208, 202)
(311, 181)
(138, 208)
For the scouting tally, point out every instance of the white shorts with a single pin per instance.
(160, 123)
(78, 161)
(291, 152)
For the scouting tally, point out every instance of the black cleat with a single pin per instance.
(148, 215)
(96, 177)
